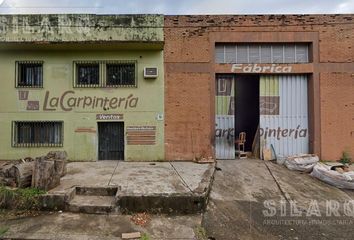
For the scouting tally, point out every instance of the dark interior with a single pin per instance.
(247, 107)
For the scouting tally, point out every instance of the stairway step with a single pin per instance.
(96, 191)
(92, 204)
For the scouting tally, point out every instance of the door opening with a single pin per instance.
(111, 141)
(247, 108)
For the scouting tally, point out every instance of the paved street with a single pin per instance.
(240, 188)
(250, 199)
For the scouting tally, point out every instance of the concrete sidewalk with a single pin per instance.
(163, 187)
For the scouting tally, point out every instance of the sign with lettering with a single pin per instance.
(255, 68)
(109, 116)
(68, 101)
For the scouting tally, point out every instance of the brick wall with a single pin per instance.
(337, 114)
(189, 76)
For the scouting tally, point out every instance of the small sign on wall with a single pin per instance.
(33, 105)
(109, 117)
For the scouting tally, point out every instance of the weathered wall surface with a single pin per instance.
(80, 123)
(81, 28)
(190, 70)
(56, 99)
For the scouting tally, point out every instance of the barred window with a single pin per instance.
(37, 134)
(29, 74)
(105, 74)
(88, 74)
(262, 53)
(120, 74)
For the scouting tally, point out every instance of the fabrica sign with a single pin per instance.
(255, 68)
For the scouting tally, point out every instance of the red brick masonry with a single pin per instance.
(190, 76)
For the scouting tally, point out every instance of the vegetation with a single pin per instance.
(200, 233)
(346, 159)
(3, 230)
(144, 236)
(21, 198)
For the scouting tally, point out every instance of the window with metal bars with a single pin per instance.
(88, 74)
(103, 74)
(120, 74)
(37, 134)
(29, 74)
(262, 53)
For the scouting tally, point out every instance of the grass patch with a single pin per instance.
(3, 230)
(346, 159)
(144, 236)
(200, 233)
(20, 198)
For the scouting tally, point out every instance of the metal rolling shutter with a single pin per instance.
(225, 119)
(284, 113)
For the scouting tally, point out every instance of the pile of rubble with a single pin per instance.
(42, 172)
(334, 173)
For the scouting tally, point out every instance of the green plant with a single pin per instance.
(346, 159)
(3, 230)
(144, 236)
(21, 198)
(200, 233)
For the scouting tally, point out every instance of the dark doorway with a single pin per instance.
(111, 141)
(247, 107)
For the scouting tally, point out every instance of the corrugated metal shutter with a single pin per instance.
(284, 113)
(225, 119)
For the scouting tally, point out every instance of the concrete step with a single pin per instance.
(96, 191)
(92, 204)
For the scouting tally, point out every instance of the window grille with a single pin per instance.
(29, 74)
(37, 134)
(105, 74)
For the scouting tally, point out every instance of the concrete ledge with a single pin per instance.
(172, 188)
(172, 204)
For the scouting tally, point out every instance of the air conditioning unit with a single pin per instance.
(151, 72)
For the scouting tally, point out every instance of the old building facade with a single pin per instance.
(153, 87)
(302, 63)
(76, 83)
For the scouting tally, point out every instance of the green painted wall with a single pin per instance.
(58, 78)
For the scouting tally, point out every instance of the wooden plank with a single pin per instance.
(133, 235)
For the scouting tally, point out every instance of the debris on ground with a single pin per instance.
(42, 172)
(204, 160)
(302, 163)
(141, 219)
(338, 175)
(134, 235)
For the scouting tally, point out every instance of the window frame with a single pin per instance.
(15, 139)
(300, 53)
(103, 74)
(18, 65)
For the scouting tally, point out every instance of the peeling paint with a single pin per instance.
(81, 28)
